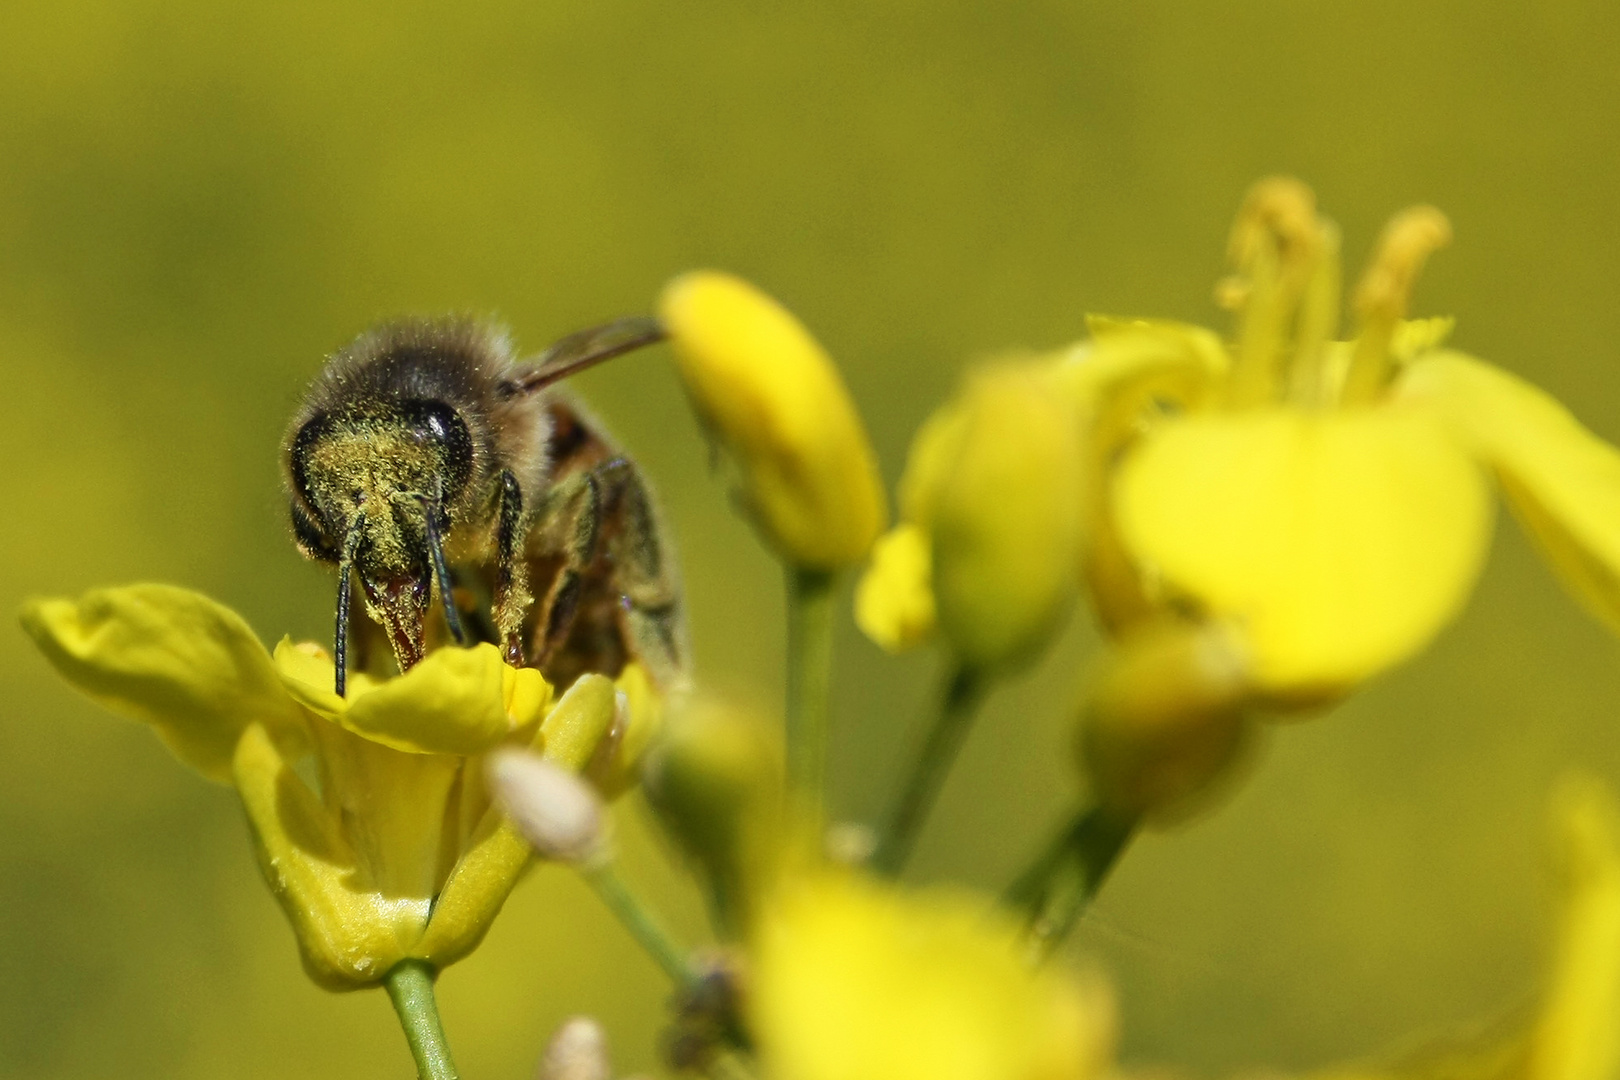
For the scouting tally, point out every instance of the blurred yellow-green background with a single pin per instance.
(198, 201)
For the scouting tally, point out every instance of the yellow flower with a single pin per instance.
(1328, 500)
(855, 981)
(396, 852)
(991, 521)
(770, 396)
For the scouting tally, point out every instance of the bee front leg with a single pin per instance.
(573, 515)
(512, 597)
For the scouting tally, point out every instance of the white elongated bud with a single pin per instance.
(556, 811)
(578, 1051)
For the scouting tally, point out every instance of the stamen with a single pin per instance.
(1309, 381)
(1276, 245)
(1385, 291)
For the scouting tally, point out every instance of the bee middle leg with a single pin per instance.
(601, 520)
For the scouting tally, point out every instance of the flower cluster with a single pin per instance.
(1262, 523)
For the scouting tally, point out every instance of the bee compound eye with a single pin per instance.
(298, 453)
(439, 423)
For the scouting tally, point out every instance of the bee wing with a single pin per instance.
(583, 348)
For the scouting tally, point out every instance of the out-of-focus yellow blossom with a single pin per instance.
(991, 516)
(1575, 1033)
(1327, 499)
(771, 397)
(397, 852)
(894, 600)
(615, 767)
(854, 981)
(715, 781)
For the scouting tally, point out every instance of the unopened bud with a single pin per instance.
(556, 811)
(773, 400)
(578, 1051)
(715, 782)
(1166, 717)
(994, 481)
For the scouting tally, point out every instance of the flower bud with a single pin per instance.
(994, 487)
(556, 811)
(772, 399)
(715, 782)
(1166, 718)
(578, 1051)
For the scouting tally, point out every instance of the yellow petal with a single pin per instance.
(1578, 1037)
(1004, 519)
(494, 855)
(525, 693)
(394, 809)
(771, 396)
(171, 658)
(894, 602)
(453, 702)
(1123, 382)
(855, 982)
(618, 757)
(1561, 480)
(348, 937)
(1339, 543)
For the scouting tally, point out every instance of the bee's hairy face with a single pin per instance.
(392, 467)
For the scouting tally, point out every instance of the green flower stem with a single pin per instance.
(960, 702)
(730, 1066)
(1058, 887)
(410, 988)
(638, 919)
(809, 672)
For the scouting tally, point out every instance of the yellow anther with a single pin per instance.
(1408, 240)
(1385, 291)
(1279, 214)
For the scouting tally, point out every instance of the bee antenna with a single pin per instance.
(340, 643)
(441, 571)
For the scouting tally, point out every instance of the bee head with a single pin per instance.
(372, 490)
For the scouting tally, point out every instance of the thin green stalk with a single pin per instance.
(958, 705)
(410, 988)
(638, 919)
(730, 1066)
(1058, 887)
(809, 673)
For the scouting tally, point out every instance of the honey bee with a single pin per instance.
(427, 458)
